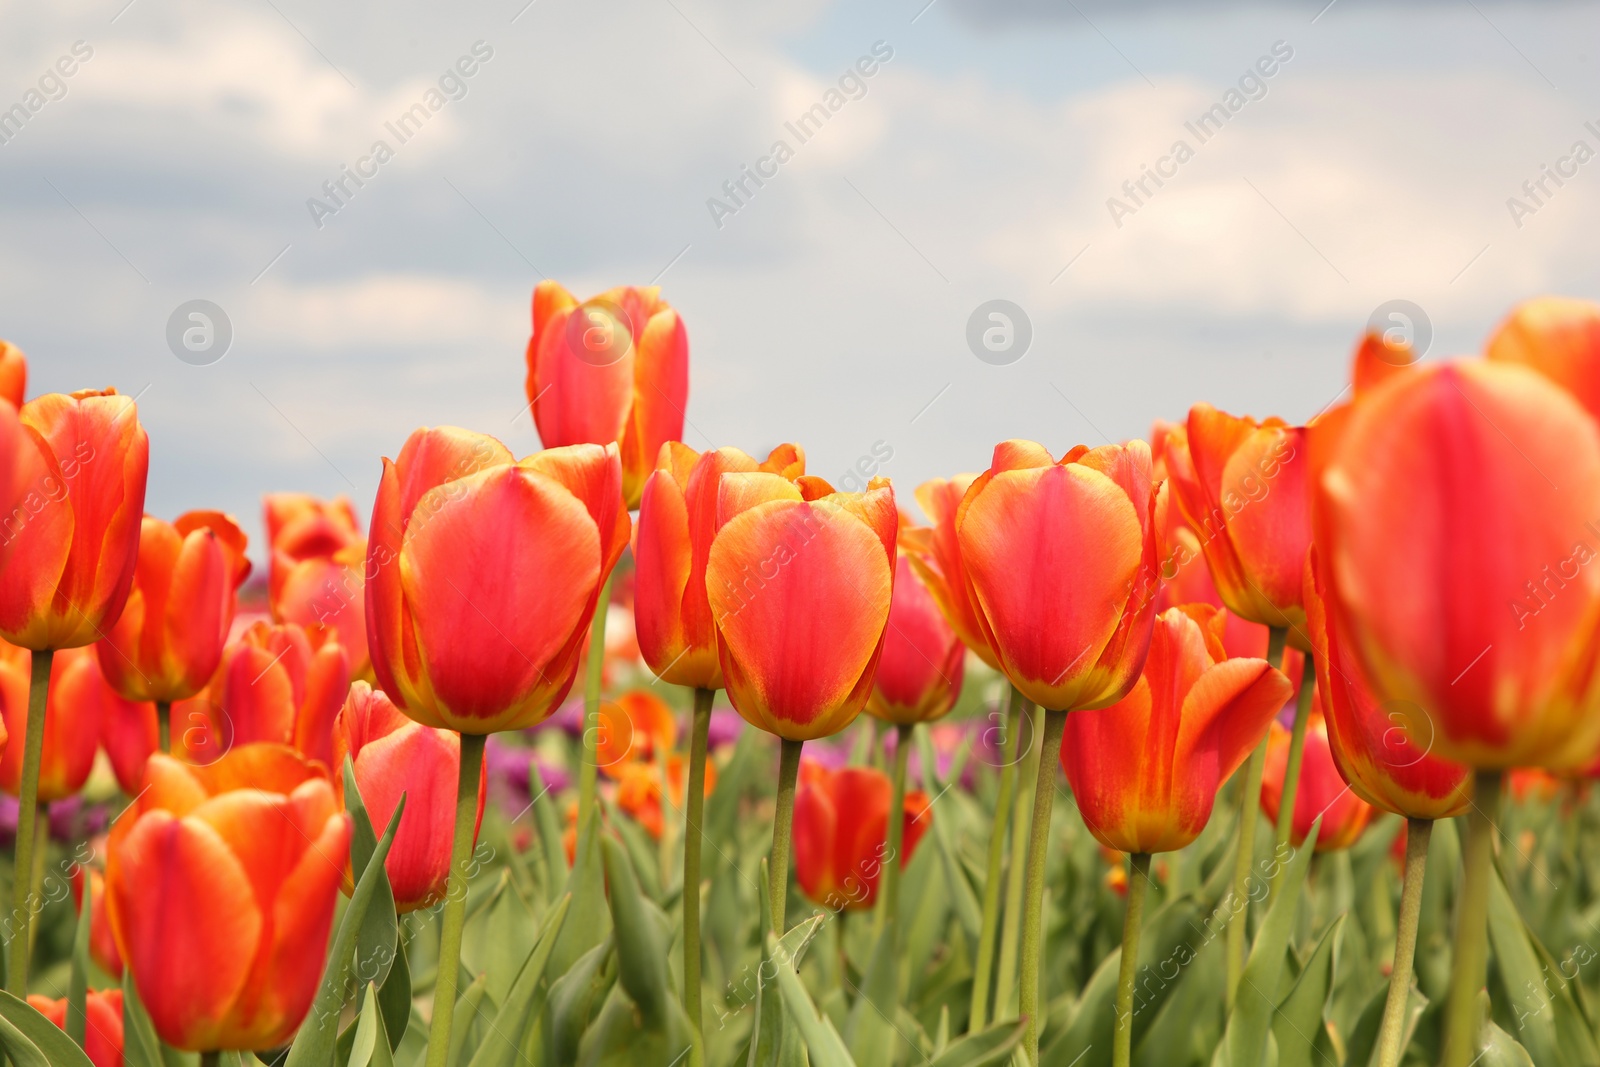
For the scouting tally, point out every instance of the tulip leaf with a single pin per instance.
(140, 1046)
(1500, 1049)
(78, 987)
(31, 1040)
(1298, 1021)
(1244, 1042)
(586, 883)
(469, 1009)
(544, 815)
(380, 931)
(774, 1042)
(823, 1044)
(371, 1046)
(983, 1048)
(1363, 1041)
(394, 997)
(319, 1033)
(523, 1004)
(869, 1031)
(575, 998)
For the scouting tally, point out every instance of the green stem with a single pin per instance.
(210, 1059)
(1044, 791)
(1238, 899)
(979, 1015)
(1297, 749)
(1418, 831)
(1472, 919)
(1005, 983)
(889, 886)
(455, 901)
(164, 721)
(589, 768)
(694, 805)
(22, 869)
(782, 827)
(1138, 880)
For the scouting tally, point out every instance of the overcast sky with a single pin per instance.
(831, 305)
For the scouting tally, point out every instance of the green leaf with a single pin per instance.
(1298, 1020)
(78, 984)
(1363, 1042)
(963, 900)
(1500, 1049)
(314, 1044)
(774, 1042)
(870, 1033)
(380, 930)
(522, 1005)
(642, 943)
(575, 998)
(394, 997)
(986, 1047)
(140, 1046)
(586, 884)
(822, 1041)
(544, 815)
(1538, 1003)
(371, 1047)
(469, 1007)
(34, 1041)
(1244, 1042)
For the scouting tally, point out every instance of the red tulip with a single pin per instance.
(130, 733)
(1145, 771)
(13, 374)
(935, 554)
(1455, 510)
(920, 672)
(102, 1036)
(169, 639)
(78, 702)
(613, 369)
(76, 530)
(102, 945)
(1323, 790)
(485, 573)
(1560, 338)
(277, 683)
(841, 821)
(799, 581)
(220, 886)
(392, 756)
(318, 574)
(671, 543)
(1062, 561)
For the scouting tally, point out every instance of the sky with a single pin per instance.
(994, 153)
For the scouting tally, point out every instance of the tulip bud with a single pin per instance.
(1323, 790)
(919, 674)
(841, 821)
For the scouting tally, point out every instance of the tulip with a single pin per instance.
(639, 791)
(78, 702)
(102, 1035)
(391, 756)
(169, 639)
(317, 575)
(919, 674)
(1324, 791)
(73, 541)
(639, 726)
(13, 374)
(1482, 639)
(1062, 567)
(1558, 337)
(130, 733)
(841, 820)
(935, 554)
(613, 369)
(102, 945)
(221, 882)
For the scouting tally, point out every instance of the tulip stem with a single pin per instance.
(694, 805)
(1418, 831)
(1238, 900)
(782, 828)
(589, 768)
(28, 813)
(210, 1059)
(1005, 983)
(1044, 791)
(1462, 1023)
(1297, 749)
(889, 887)
(164, 722)
(1138, 880)
(455, 901)
(991, 879)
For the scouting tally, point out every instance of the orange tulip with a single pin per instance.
(639, 791)
(102, 945)
(1560, 338)
(799, 580)
(919, 675)
(1062, 562)
(102, 1036)
(318, 573)
(484, 575)
(935, 554)
(13, 374)
(77, 704)
(1145, 771)
(220, 887)
(1242, 487)
(393, 755)
(612, 369)
(1373, 753)
(1323, 790)
(76, 530)
(169, 639)
(130, 733)
(636, 727)
(1377, 359)
(671, 543)
(1459, 569)
(841, 821)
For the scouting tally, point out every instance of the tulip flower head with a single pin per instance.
(613, 369)
(220, 886)
(484, 574)
(919, 674)
(799, 580)
(318, 570)
(1145, 771)
(1560, 338)
(1062, 563)
(279, 683)
(935, 554)
(841, 822)
(672, 544)
(102, 945)
(102, 1035)
(77, 704)
(639, 790)
(13, 374)
(636, 727)
(1323, 790)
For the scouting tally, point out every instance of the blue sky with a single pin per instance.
(832, 308)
